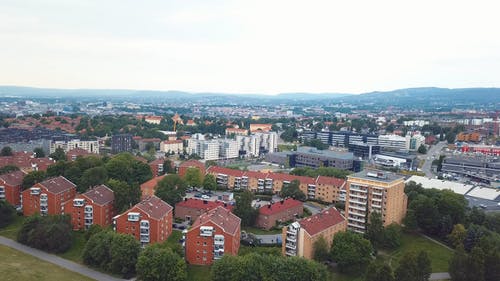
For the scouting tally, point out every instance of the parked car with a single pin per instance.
(199, 195)
(205, 197)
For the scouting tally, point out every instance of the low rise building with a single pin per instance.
(191, 164)
(213, 235)
(149, 221)
(91, 146)
(299, 237)
(47, 197)
(190, 209)
(95, 206)
(10, 187)
(279, 212)
(172, 146)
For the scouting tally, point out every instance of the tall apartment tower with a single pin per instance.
(121, 143)
(374, 191)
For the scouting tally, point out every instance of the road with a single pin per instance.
(69, 265)
(432, 154)
(439, 276)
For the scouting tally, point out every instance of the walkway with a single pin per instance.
(69, 265)
(439, 276)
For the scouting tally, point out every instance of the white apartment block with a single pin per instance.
(229, 149)
(175, 146)
(90, 146)
(394, 141)
(206, 149)
(249, 144)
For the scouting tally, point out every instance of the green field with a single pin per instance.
(198, 273)
(15, 265)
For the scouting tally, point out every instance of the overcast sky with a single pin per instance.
(250, 46)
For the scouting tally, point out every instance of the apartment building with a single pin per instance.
(326, 189)
(172, 146)
(190, 209)
(26, 161)
(74, 153)
(374, 191)
(249, 145)
(299, 237)
(10, 187)
(153, 119)
(260, 127)
(314, 158)
(47, 197)
(157, 168)
(89, 146)
(228, 149)
(191, 164)
(149, 221)
(278, 212)
(121, 143)
(394, 142)
(213, 235)
(236, 131)
(96, 206)
(206, 149)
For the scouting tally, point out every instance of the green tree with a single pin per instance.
(8, 168)
(244, 210)
(58, 154)
(158, 263)
(96, 251)
(58, 169)
(6, 151)
(457, 235)
(351, 251)
(375, 230)
(48, 233)
(125, 195)
(423, 266)
(171, 189)
(209, 182)
(168, 167)
(32, 178)
(293, 190)
(414, 267)
(458, 265)
(39, 153)
(377, 272)
(320, 250)
(125, 167)
(124, 251)
(392, 236)
(92, 177)
(193, 177)
(7, 213)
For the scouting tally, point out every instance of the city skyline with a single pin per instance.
(249, 47)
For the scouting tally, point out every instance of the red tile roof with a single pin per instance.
(13, 178)
(147, 188)
(226, 171)
(255, 174)
(287, 177)
(330, 181)
(202, 204)
(279, 207)
(173, 142)
(192, 163)
(101, 195)
(57, 185)
(154, 207)
(226, 220)
(321, 221)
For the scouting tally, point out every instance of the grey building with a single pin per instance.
(121, 143)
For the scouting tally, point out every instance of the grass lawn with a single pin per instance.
(244, 250)
(15, 265)
(75, 252)
(11, 230)
(259, 231)
(198, 273)
(439, 255)
(174, 238)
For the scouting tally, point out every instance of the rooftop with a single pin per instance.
(57, 185)
(202, 204)
(147, 188)
(321, 221)
(100, 195)
(325, 153)
(376, 175)
(428, 183)
(226, 220)
(485, 193)
(13, 178)
(154, 207)
(279, 207)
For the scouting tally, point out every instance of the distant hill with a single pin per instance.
(411, 96)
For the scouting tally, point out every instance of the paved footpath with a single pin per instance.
(64, 263)
(439, 276)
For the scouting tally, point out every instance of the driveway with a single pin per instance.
(269, 239)
(69, 265)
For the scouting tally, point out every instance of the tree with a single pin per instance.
(96, 250)
(209, 182)
(318, 144)
(457, 235)
(158, 263)
(125, 195)
(193, 177)
(8, 168)
(458, 265)
(392, 236)
(92, 177)
(244, 210)
(7, 213)
(320, 250)
(124, 251)
(375, 230)
(422, 149)
(58, 154)
(6, 151)
(376, 272)
(48, 233)
(171, 189)
(351, 251)
(293, 190)
(473, 236)
(125, 167)
(168, 167)
(423, 266)
(39, 153)
(32, 178)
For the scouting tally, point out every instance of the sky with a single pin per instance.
(254, 46)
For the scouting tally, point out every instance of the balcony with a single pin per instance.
(88, 210)
(312, 192)
(88, 216)
(357, 202)
(35, 191)
(352, 195)
(290, 253)
(218, 239)
(133, 216)
(355, 225)
(357, 189)
(292, 246)
(144, 224)
(206, 231)
(311, 187)
(376, 206)
(359, 208)
(144, 231)
(377, 199)
(355, 212)
(89, 221)
(356, 219)
(377, 193)
(78, 202)
(144, 238)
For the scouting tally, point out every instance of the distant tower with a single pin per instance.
(176, 119)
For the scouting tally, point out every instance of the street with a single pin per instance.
(432, 154)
